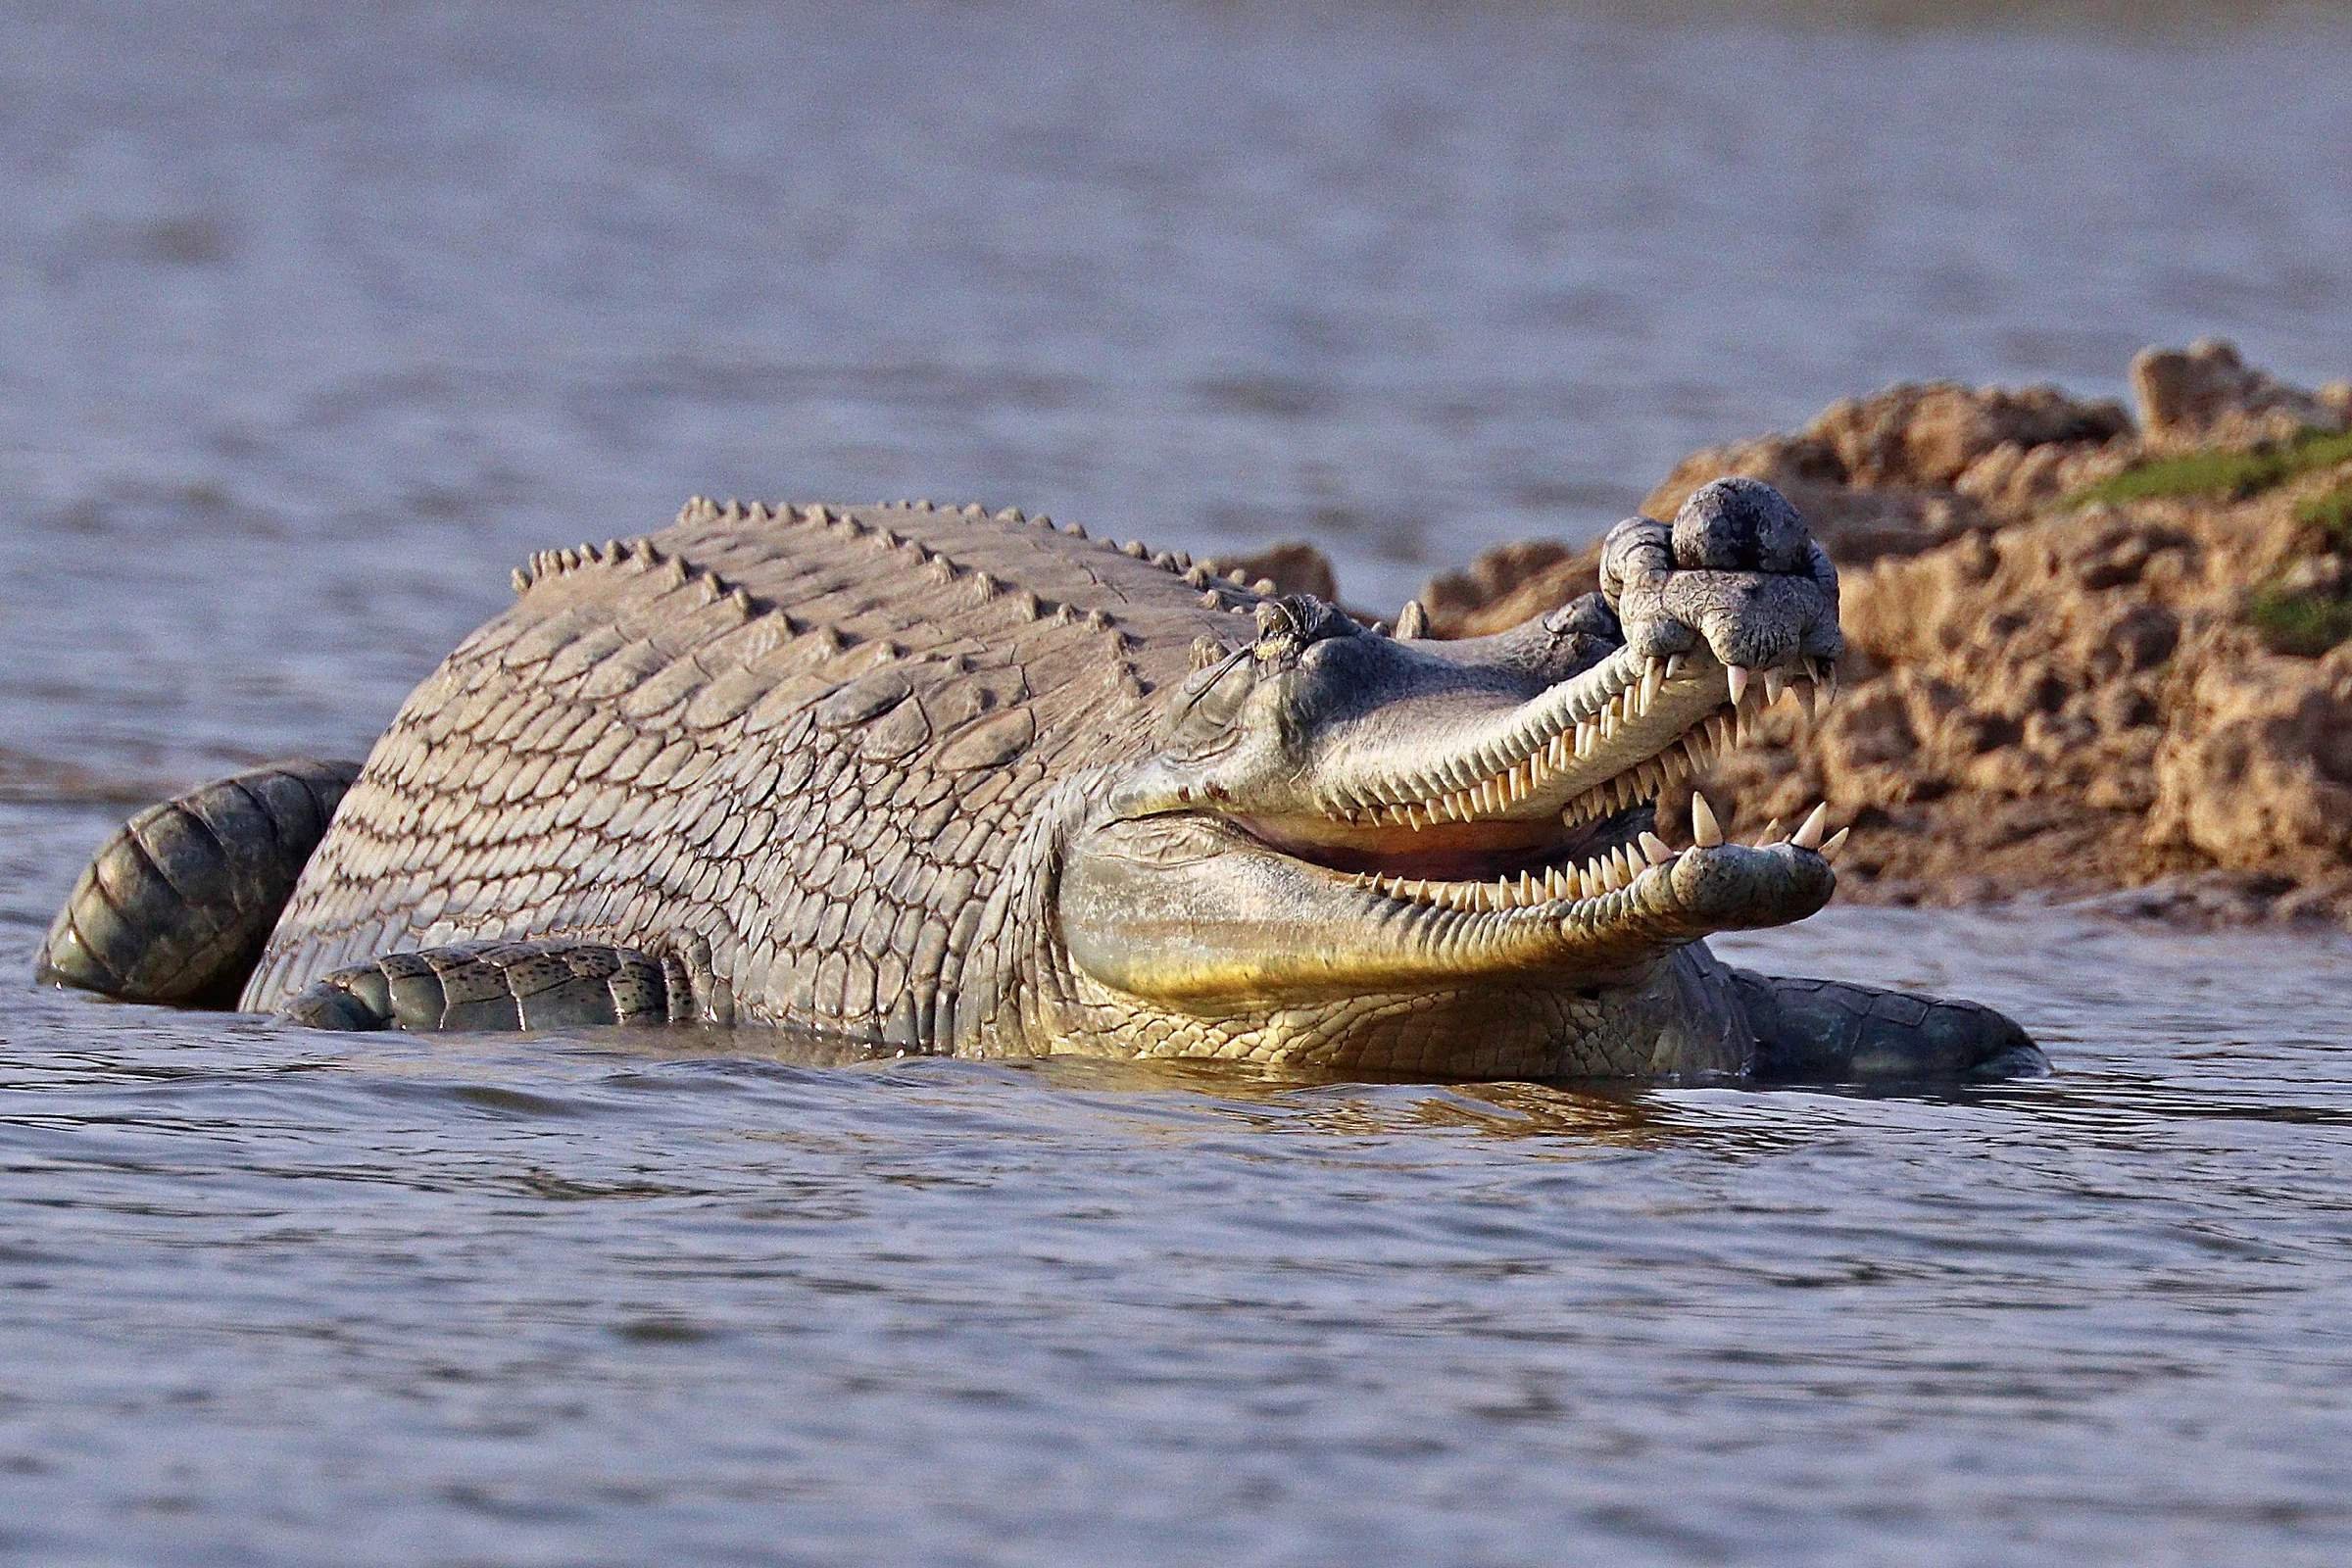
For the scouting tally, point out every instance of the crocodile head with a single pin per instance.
(1369, 850)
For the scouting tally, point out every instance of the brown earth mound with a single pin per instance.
(2088, 652)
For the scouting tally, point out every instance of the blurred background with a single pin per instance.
(318, 318)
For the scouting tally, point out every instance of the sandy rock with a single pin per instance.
(2039, 694)
(2205, 395)
(1507, 584)
(1292, 566)
(2256, 768)
(1918, 464)
(1928, 434)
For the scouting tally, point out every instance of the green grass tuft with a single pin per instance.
(2232, 475)
(2299, 623)
(2330, 512)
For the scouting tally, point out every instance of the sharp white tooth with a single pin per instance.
(1652, 678)
(1833, 843)
(1775, 684)
(1738, 676)
(1583, 737)
(1527, 888)
(1412, 620)
(1557, 883)
(1808, 832)
(1655, 850)
(1771, 828)
(1705, 831)
(1417, 890)
(1674, 665)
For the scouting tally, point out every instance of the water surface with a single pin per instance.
(272, 1295)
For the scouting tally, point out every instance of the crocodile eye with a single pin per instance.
(1209, 701)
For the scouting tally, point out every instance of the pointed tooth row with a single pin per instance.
(1808, 834)
(1601, 875)
(1646, 780)
(1815, 682)
(1498, 791)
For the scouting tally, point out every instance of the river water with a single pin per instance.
(314, 321)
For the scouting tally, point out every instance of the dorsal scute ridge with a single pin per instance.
(1231, 589)
(612, 553)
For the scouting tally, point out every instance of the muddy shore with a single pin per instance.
(2095, 653)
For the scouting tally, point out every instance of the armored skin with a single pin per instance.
(944, 780)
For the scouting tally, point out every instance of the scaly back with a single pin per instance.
(804, 740)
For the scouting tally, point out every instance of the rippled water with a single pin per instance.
(268, 1294)
(316, 322)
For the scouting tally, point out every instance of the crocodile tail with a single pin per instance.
(177, 904)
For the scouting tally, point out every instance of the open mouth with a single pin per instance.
(1475, 848)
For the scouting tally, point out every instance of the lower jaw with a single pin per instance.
(1471, 852)
(1641, 1026)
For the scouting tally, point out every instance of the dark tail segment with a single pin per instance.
(513, 985)
(1823, 1031)
(177, 904)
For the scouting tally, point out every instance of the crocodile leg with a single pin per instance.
(177, 904)
(515, 985)
(1824, 1031)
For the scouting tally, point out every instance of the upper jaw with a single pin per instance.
(1517, 805)
(1619, 734)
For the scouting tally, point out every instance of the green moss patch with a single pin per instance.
(2330, 512)
(2299, 622)
(2232, 475)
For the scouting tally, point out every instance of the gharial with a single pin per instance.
(951, 782)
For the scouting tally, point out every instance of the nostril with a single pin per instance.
(1740, 524)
